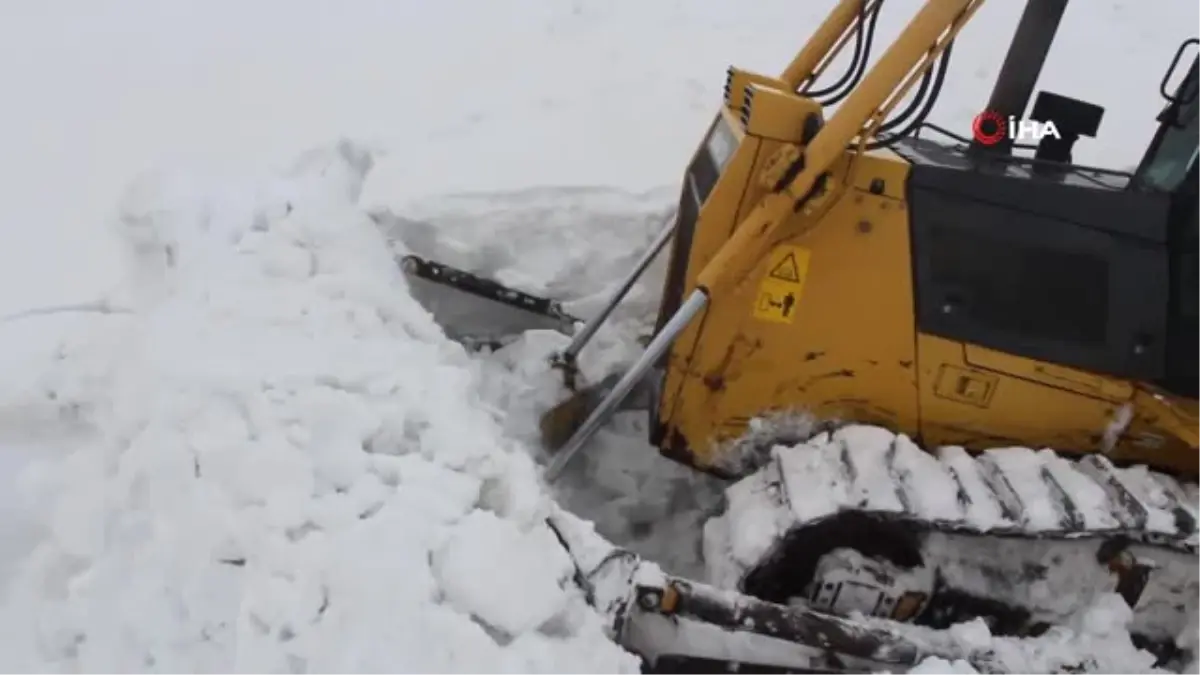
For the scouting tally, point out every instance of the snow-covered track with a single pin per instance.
(864, 520)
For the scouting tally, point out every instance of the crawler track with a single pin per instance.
(863, 520)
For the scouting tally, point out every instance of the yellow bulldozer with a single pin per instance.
(849, 283)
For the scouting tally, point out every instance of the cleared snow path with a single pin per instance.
(291, 469)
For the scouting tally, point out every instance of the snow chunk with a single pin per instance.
(511, 580)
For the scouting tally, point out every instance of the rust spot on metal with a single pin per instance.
(977, 440)
(825, 376)
(801, 385)
(714, 382)
(863, 410)
(717, 378)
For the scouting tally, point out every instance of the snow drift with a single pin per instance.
(288, 466)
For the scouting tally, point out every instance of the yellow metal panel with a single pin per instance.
(965, 404)
(847, 349)
(993, 399)
(713, 227)
(1049, 374)
(778, 114)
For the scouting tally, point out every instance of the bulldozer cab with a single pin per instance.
(1161, 191)
(1169, 166)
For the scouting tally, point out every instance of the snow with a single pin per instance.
(290, 466)
(531, 561)
(255, 452)
(1095, 639)
(935, 664)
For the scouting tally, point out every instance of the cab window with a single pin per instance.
(1167, 165)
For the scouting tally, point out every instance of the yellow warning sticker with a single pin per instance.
(779, 291)
(787, 269)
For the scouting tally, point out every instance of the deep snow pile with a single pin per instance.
(289, 466)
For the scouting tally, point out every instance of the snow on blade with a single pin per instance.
(291, 469)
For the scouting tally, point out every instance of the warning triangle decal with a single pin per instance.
(787, 270)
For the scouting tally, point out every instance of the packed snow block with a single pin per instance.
(511, 580)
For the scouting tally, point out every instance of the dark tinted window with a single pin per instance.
(702, 173)
(710, 160)
(1017, 288)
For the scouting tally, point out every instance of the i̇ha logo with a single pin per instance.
(990, 127)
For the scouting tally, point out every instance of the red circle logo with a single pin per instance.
(988, 127)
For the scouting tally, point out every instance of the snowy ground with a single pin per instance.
(264, 456)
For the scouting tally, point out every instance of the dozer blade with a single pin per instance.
(480, 312)
(677, 625)
(561, 422)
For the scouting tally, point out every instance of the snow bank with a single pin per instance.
(290, 468)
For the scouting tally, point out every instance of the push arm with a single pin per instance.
(932, 26)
